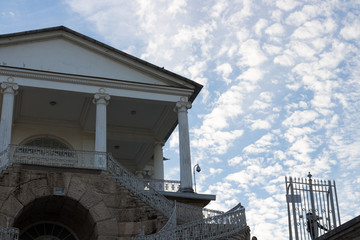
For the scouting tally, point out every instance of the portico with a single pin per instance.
(105, 107)
(82, 131)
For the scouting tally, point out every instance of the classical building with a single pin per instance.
(81, 136)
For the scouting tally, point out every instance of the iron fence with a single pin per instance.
(312, 207)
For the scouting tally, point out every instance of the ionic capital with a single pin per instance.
(101, 97)
(161, 143)
(9, 86)
(183, 105)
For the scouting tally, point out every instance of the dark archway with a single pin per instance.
(47, 231)
(44, 217)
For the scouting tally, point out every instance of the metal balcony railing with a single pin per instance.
(53, 157)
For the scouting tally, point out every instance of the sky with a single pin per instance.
(281, 93)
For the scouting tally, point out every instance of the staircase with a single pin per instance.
(144, 208)
(194, 222)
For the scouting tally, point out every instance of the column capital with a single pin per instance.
(161, 143)
(183, 105)
(9, 86)
(101, 97)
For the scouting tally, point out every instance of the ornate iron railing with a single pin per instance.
(167, 232)
(231, 223)
(163, 185)
(136, 186)
(215, 227)
(186, 212)
(56, 157)
(9, 233)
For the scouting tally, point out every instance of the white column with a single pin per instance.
(158, 160)
(184, 145)
(101, 100)
(9, 90)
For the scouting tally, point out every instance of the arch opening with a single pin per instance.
(55, 218)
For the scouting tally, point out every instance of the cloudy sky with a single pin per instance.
(281, 92)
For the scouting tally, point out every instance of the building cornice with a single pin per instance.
(95, 82)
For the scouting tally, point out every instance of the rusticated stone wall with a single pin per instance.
(88, 202)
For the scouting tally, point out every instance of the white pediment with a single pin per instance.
(64, 52)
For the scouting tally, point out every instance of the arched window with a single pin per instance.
(46, 150)
(46, 142)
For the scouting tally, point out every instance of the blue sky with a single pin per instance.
(281, 92)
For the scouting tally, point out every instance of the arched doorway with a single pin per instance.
(55, 218)
(47, 231)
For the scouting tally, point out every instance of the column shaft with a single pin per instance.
(9, 90)
(158, 161)
(101, 100)
(184, 146)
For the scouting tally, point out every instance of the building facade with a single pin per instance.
(81, 136)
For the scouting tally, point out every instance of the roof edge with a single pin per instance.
(197, 86)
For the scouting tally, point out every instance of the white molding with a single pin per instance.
(100, 48)
(88, 84)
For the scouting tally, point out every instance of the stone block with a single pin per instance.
(100, 212)
(90, 199)
(5, 192)
(39, 187)
(108, 227)
(76, 188)
(129, 228)
(11, 207)
(24, 194)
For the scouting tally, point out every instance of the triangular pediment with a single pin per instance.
(62, 50)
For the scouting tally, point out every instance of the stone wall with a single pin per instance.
(89, 203)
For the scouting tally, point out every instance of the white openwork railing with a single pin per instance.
(9, 233)
(56, 157)
(231, 223)
(163, 185)
(186, 212)
(136, 186)
(167, 232)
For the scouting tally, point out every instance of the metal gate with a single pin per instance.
(312, 207)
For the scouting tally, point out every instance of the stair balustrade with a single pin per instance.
(226, 225)
(196, 222)
(136, 186)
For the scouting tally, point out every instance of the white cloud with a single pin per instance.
(251, 54)
(351, 29)
(260, 25)
(287, 5)
(252, 74)
(260, 124)
(272, 49)
(218, 9)
(275, 30)
(299, 17)
(262, 145)
(235, 161)
(259, 105)
(215, 171)
(299, 118)
(225, 70)
(314, 29)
